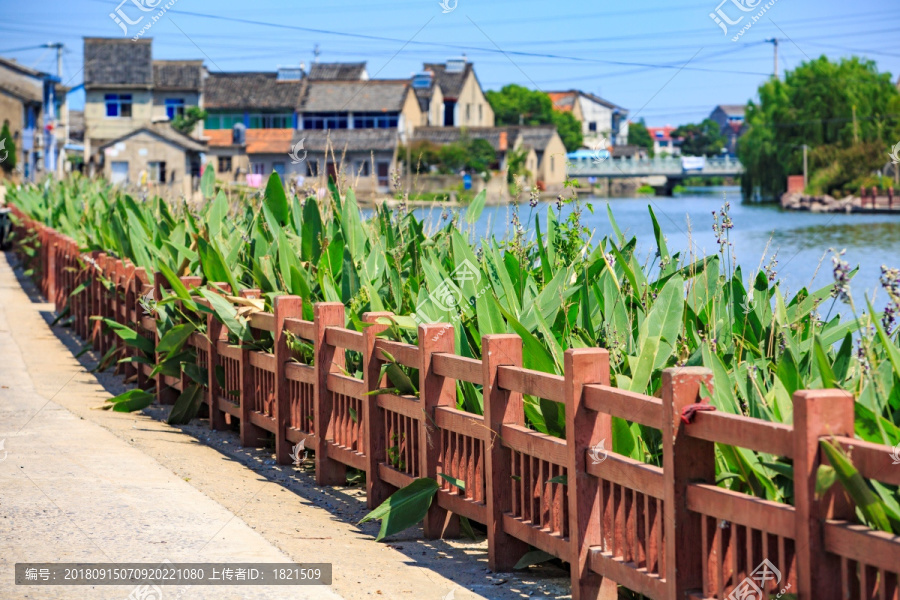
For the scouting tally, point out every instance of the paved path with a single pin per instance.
(72, 491)
(78, 484)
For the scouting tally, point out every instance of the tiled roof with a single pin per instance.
(177, 74)
(166, 132)
(451, 82)
(20, 81)
(269, 141)
(733, 110)
(353, 140)
(376, 95)
(563, 101)
(117, 61)
(218, 137)
(337, 71)
(661, 133)
(536, 136)
(423, 95)
(498, 137)
(251, 90)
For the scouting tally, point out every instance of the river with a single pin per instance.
(801, 239)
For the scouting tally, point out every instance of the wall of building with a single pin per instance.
(479, 113)
(97, 126)
(143, 148)
(410, 115)
(552, 169)
(595, 113)
(190, 99)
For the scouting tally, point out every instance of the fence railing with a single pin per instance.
(668, 533)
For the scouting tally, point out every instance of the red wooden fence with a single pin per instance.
(669, 533)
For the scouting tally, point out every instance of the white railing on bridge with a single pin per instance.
(670, 166)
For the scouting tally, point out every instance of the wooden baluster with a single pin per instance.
(327, 360)
(686, 460)
(585, 428)
(817, 413)
(251, 435)
(286, 307)
(216, 332)
(434, 390)
(500, 406)
(374, 433)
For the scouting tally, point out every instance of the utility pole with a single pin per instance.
(774, 42)
(805, 166)
(51, 110)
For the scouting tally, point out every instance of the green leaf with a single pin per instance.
(866, 501)
(208, 182)
(186, 406)
(476, 206)
(175, 338)
(131, 401)
(227, 315)
(404, 508)
(130, 336)
(275, 199)
(454, 481)
(563, 479)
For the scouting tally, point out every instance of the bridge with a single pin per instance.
(671, 167)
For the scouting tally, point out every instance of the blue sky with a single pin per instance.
(665, 61)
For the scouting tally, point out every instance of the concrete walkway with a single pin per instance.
(85, 485)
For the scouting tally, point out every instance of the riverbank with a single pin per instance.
(879, 205)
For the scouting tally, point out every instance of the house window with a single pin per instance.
(592, 126)
(119, 170)
(335, 120)
(118, 105)
(224, 164)
(384, 173)
(361, 168)
(552, 165)
(157, 172)
(259, 168)
(223, 120)
(480, 114)
(376, 120)
(174, 108)
(271, 121)
(468, 112)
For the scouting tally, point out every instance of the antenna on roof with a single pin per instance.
(316, 53)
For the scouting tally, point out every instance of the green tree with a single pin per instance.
(815, 105)
(639, 136)
(185, 123)
(703, 139)
(7, 147)
(481, 155)
(518, 105)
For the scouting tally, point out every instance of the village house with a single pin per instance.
(362, 158)
(602, 122)
(730, 118)
(462, 100)
(663, 142)
(545, 153)
(349, 71)
(130, 98)
(154, 157)
(34, 103)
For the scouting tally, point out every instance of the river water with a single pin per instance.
(801, 239)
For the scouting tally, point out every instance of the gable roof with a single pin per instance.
(374, 95)
(353, 140)
(252, 89)
(177, 74)
(166, 133)
(536, 136)
(21, 82)
(117, 62)
(732, 110)
(563, 101)
(451, 82)
(349, 71)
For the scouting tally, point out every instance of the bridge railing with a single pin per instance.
(637, 166)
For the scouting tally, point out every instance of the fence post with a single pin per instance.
(216, 332)
(434, 390)
(374, 433)
(584, 428)
(686, 460)
(500, 406)
(50, 292)
(327, 360)
(251, 435)
(96, 308)
(132, 315)
(817, 413)
(286, 307)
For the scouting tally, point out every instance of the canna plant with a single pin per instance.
(556, 290)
